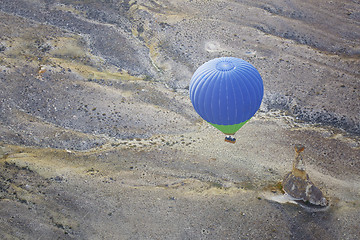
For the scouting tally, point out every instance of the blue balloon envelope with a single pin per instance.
(226, 92)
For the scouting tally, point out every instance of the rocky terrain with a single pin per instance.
(99, 140)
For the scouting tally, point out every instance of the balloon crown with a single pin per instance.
(225, 66)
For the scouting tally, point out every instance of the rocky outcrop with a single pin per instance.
(298, 185)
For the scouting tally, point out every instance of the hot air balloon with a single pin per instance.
(226, 92)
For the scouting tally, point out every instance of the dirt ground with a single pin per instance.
(99, 140)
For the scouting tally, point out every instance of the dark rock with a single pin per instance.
(298, 184)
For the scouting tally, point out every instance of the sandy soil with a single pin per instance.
(98, 138)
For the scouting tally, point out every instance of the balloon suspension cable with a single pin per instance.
(230, 139)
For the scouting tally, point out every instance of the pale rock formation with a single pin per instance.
(298, 185)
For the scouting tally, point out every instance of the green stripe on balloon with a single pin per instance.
(229, 129)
